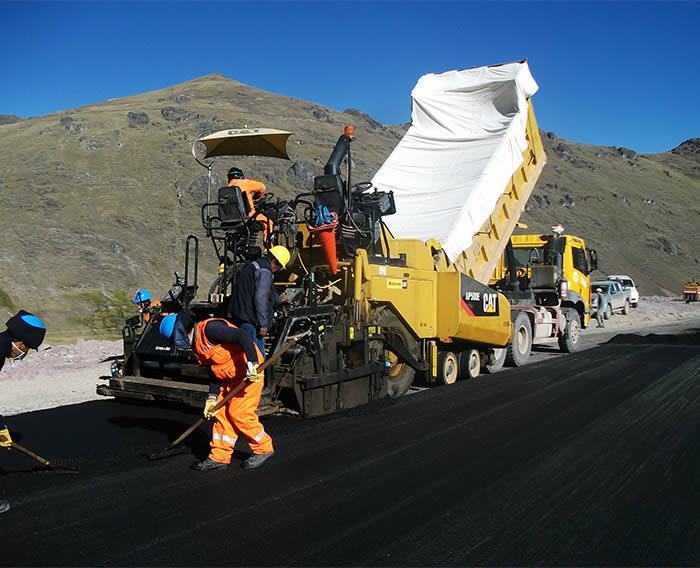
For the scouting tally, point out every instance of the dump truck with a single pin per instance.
(691, 291)
(380, 306)
(546, 278)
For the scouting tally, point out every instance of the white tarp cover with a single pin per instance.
(465, 142)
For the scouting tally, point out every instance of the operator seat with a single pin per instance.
(233, 209)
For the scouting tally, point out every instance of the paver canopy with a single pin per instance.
(266, 142)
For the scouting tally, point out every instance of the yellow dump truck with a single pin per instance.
(546, 280)
(691, 291)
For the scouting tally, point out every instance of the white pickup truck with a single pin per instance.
(618, 297)
(628, 284)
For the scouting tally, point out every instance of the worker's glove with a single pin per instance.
(254, 376)
(209, 405)
(5, 438)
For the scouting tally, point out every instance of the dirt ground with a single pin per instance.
(67, 374)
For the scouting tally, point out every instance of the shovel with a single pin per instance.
(168, 452)
(48, 467)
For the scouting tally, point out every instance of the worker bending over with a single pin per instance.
(24, 331)
(232, 357)
(254, 296)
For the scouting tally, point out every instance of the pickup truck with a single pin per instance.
(628, 284)
(618, 297)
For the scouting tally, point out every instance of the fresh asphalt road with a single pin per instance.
(592, 458)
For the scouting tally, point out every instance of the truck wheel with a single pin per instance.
(497, 365)
(469, 364)
(401, 375)
(447, 368)
(608, 312)
(518, 350)
(568, 340)
(626, 309)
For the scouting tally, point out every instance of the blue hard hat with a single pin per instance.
(167, 325)
(141, 295)
(28, 328)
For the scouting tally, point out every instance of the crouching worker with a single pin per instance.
(24, 331)
(232, 357)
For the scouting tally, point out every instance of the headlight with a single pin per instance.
(115, 368)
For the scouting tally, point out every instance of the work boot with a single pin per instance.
(209, 464)
(256, 460)
(4, 505)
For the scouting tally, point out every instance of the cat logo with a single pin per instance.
(489, 303)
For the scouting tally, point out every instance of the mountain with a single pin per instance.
(98, 200)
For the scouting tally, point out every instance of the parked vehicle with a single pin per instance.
(618, 297)
(628, 284)
(691, 291)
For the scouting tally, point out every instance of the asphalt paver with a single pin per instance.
(592, 458)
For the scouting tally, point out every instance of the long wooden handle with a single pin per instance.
(273, 359)
(31, 454)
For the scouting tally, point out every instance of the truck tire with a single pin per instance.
(608, 312)
(519, 347)
(498, 364)
(447, 368)
(626, 308)
(569, 339)
(401, 375)
(469, 364)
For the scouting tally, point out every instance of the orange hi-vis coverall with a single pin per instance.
(228, 364)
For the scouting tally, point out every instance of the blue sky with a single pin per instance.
(610, 73)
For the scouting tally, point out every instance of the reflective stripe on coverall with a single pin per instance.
(228, 364)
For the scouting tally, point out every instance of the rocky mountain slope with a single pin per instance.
(98, 200)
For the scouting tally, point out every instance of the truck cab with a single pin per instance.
(547, 276)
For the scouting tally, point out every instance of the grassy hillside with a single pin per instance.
(97, 201)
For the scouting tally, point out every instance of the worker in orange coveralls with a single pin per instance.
(252, 191)
(232, 357)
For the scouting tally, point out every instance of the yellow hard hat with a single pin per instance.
(281, 254)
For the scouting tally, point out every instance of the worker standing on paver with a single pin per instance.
(232, 357)
(24, 331)
(254, 296)
(602, 306)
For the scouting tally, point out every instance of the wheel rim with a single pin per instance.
(474, 364)
(450, 369)
(521, 342)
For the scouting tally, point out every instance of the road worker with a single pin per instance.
(146, 304)
(232, 357)
(254, 296)
(252, 191)
(24, 331)
(601, 306)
